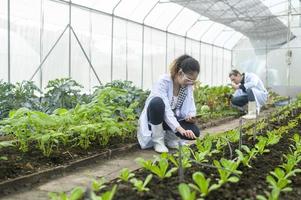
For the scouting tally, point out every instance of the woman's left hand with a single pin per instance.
(190, 119)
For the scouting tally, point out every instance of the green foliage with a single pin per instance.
(126, 175)
(22, 94)
(202, 184)
(174, 158)
(134, 94)
(160, 168)
(5, 144)
(108, 195)
(139, 185)
(185, 192)
(76, 194)
(97, 185)
(248, 156)
(261, 145)
(213, 102)
(61, 93)
(225, 169)
(96, 122)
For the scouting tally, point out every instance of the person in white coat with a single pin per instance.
(249, 89)
(169, 111)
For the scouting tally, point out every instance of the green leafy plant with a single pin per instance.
(62, 93)
(126, 175)
(248, 156)
(139, 185)
(261, 145)
(272, 137)
(225, 169)
(160, 167)
(108, 195)
(99, 184)
(5, 144)
(174, 158)
(185, 192)
(76, 194)
(202, 184)
(12, 97)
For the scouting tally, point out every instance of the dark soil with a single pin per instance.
(252, 181)
(20, 164)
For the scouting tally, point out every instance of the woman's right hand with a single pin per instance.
(186, 133)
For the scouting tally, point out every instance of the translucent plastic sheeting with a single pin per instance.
(252, 18)
(25, 37)
(212, 33)
(101, 48)
(226, 67)
(175, 48)
(80, 68)
(134, 53)
(127, 51)
(233, 40)
(168, 10)
(199, 29)
(183, 22)
(102, 5)
(57, 64)
(3, 41)
(154, 56)
(119, 50)
(134, 10)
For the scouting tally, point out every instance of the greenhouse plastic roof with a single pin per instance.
(219, 22)
(253, 18)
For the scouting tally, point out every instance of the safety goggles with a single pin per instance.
(188, 80)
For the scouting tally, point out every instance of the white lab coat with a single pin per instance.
(260, 93)
(164, 88)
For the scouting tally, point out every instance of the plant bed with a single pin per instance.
(25, 170)
(251, 182)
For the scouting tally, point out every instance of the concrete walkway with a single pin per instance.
(109, 169)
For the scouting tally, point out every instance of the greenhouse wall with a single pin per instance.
(270, 63)
(36, 25)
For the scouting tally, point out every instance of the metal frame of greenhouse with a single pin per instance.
(213, 43)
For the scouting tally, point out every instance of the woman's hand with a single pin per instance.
(235, 86)
(190, 119)
(187, 133)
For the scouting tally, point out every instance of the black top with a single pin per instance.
(242, 82)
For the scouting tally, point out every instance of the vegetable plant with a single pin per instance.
(140, 185)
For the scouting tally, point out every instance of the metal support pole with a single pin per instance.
(231, 59)
(200, 58)
(223, 65)
(212, 66)
(289, 16)
(187, 33)
(126, 52)
(212, 55)
(49, 52)
(41, 42)
(143, 28)
(206, 43)
(80, 45)
(240, 133)
(69, 69)
(90, 51)
(112, 38)
(8, 41)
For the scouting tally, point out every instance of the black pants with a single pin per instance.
(155, 115)
(243, 99)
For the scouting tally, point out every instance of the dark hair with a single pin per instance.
(234, 72)
(185, 63)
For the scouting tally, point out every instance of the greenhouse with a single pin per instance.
(153, 99)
